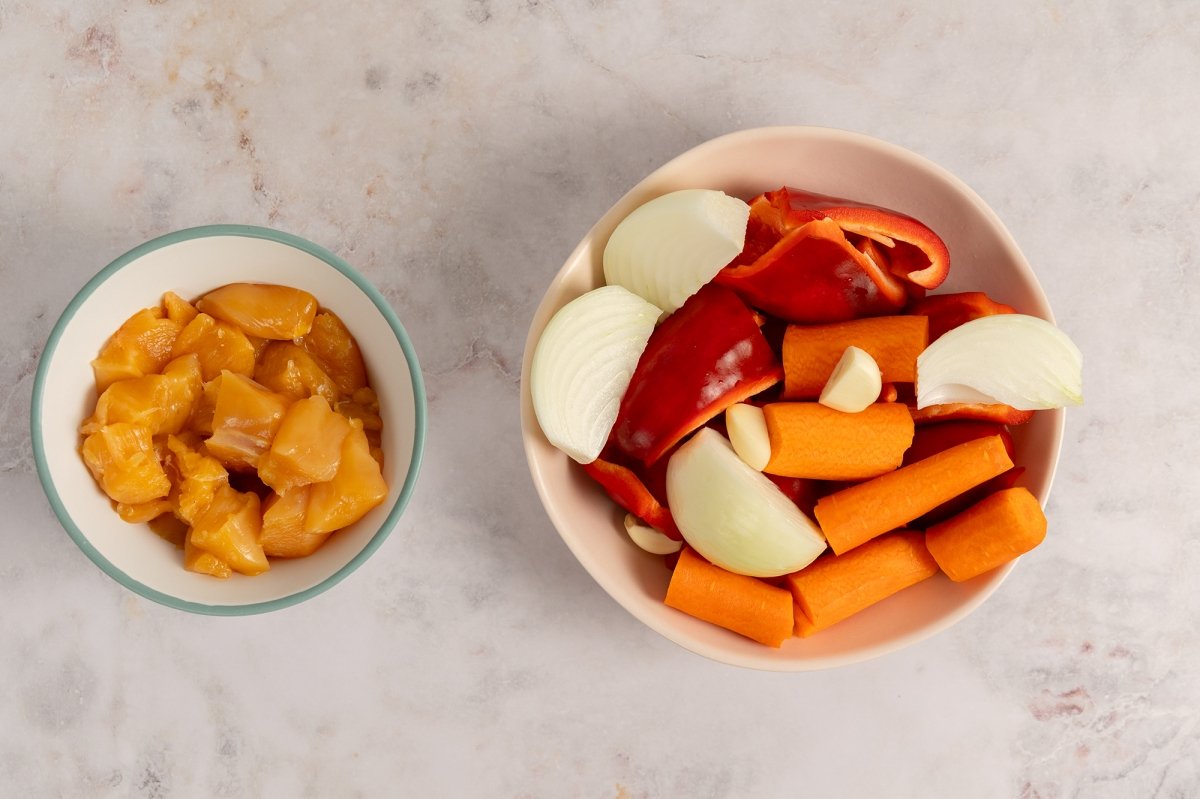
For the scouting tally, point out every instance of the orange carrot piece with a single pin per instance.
(835, 587)
(861, 512)
(966, 499)
(810, 440)
(803, 626)
(745, 605)
(888, 393)
(990, 533)
(930, 439)
(810, 352)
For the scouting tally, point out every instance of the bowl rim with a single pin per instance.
(253, 232)
(530, 427)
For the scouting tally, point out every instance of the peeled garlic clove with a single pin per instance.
(669, 247)
(854, 384)
(648, 538)
(583, 364)
(747, 428)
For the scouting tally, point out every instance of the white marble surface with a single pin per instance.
(455, 152)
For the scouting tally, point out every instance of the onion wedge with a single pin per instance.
(734, 515)
(582, 366)
(1014, 359)
(666, 249)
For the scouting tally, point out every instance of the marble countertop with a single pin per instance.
(455, 152)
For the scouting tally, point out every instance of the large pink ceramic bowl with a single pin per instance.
(983, 256)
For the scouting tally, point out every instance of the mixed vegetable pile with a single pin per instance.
(784, 413)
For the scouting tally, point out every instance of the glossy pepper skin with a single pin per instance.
(630, 491)
(948, 311)
(863, 260)
(703, 358)
(996, 413)
(915, 253)
(976, 411)
(815, 275)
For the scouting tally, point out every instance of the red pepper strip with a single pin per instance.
(814, 275)
(872, 250)
(799, 490)
(670, 560)
(916, 253)
(965, 411)
(703, 358)
(767, 225)
(878, 254)
(628, 491)
(984, 412)
(948, 311)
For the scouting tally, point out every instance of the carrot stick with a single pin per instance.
(811, 351)
(810, 440)
(857, 514)
(835, 587)
(743, 604)
(988, 534)
(803, 626)
(966, 499)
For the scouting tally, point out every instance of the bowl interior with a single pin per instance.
(191, 263)
(983, 258)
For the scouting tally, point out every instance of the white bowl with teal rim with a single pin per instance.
(190, 263)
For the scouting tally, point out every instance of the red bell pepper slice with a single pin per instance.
(915, 253)
(948, 311)
(703, 358)
(800, 490)
(983, 412)
(879, 255)
(768, 223)
(629, 491)
(997, 412)
(814, 275)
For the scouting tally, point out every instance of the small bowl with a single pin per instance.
(190, 263)
(984, 257)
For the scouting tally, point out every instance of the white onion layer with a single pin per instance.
(735, 516)
(582, 366)
(1015, 359)
(666, 249)
(854, 384)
